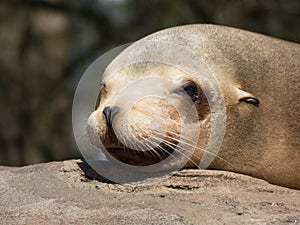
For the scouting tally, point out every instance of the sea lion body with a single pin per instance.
(260, 80)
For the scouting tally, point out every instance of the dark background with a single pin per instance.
(46, 46)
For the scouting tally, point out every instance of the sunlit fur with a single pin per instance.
(261, 140)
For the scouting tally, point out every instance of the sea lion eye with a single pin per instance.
(191, 90)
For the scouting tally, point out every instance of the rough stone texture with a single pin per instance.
(64, 193)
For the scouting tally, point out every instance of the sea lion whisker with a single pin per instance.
(139, 143)
(131, 145)
(196, 147)
(125, 145)
(175, 139)
(177, 149)
(152, 150)
(180, 150)
(171, 132)
(157, 146)
(165, 152)
(125, 140)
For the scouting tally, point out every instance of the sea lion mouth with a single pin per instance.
(139, 158)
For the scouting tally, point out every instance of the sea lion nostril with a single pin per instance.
(109, 113)
(114, 110)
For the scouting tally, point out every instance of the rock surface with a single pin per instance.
(65, 193)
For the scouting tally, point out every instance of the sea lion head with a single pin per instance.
(148, 112)
(202, 90)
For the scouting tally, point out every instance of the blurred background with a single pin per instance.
(46, 45)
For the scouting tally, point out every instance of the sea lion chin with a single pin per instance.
(151, 111)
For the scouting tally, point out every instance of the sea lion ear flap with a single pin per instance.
(244, 96)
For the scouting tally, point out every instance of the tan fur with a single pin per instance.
(262, 141)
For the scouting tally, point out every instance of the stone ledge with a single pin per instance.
(70, 192)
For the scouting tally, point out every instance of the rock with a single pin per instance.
(70, 192)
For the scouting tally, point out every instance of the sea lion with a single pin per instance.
(256, 77)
